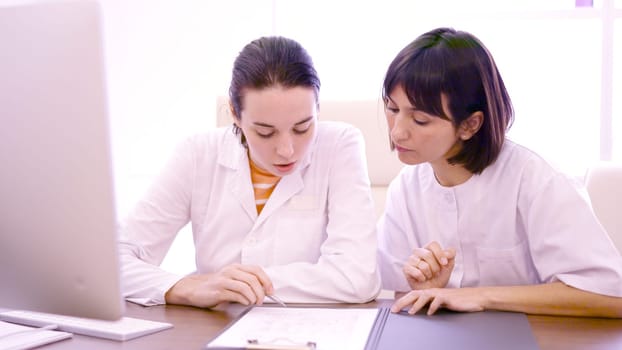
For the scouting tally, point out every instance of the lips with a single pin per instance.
(400, 148)
(285, 167)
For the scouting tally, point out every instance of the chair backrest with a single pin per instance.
(604, 186)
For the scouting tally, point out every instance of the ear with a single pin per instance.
(470, 126)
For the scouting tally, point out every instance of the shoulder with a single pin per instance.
(210, 145)
(528, 169)
(338, 138)
(517, 158)
(212, 139)
(210, 136)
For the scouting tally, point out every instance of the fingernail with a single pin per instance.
(443, 261)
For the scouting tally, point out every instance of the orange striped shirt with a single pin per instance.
(263, 185)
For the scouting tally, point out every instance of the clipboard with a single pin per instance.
(297, 328)
(389, 331)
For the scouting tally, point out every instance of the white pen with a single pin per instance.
(277, 300)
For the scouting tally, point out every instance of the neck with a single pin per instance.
(449, 175)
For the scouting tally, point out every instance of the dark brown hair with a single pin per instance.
(458, 65)
(266, 62)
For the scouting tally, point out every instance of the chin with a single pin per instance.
(408, 160)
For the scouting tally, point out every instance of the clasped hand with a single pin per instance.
(429, 267)
(244, 284)
(427, 271)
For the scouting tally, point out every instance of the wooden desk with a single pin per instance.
(194, 327)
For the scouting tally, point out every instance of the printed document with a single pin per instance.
(326, 328)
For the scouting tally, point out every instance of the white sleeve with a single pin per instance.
(567, 241)
(346, 270)
(395, 235)
(148, 232)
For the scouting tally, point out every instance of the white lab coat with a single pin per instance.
(315, 237)
(520, 222)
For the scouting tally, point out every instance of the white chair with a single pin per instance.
(604, 186)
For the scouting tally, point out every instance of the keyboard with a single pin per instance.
(124, 329)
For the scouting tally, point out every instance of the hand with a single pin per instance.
(244, 284)
(429, 267)
(456, 299)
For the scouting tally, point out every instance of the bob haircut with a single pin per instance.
(458, 65)
(266, 62)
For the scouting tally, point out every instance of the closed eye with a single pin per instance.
(265, 132)
(265, 135)
(420, 117)
(392, 110)
(301, 131)
(303, 126)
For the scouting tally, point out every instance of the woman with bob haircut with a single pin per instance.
(475, 221)
(280, 203)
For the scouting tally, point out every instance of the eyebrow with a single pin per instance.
(412, 108)
(265, 125)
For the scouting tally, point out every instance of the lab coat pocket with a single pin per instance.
(300, 232)
(505, 266)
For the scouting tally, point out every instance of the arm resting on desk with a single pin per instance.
(545, 299)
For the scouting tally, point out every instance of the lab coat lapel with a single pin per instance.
(287, 187)
(242, 190)
(234, 156)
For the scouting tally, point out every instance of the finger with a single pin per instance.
(436, 303)
(421, 301)
(451, 264)
(253, 277)
(450, 253)
(261, 276)
(255, 287)
(233, 296)
(414, 273)
(415, 256)
(418, 260)
(404, 301)
(429, 265)
(426, 269)
(438, 255)
(250, 286)
(240, 288)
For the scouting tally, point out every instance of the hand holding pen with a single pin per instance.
(244, 284)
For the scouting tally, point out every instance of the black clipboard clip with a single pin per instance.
(279, 344)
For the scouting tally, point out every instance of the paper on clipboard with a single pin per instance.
(299, 328)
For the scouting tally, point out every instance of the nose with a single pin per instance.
(398, 128)
(285, 147)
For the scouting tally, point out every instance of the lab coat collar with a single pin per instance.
(288, 186)
(234, 156)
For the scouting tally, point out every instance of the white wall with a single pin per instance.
(169, 59)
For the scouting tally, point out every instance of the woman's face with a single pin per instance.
(419, 137)
(279, 125)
